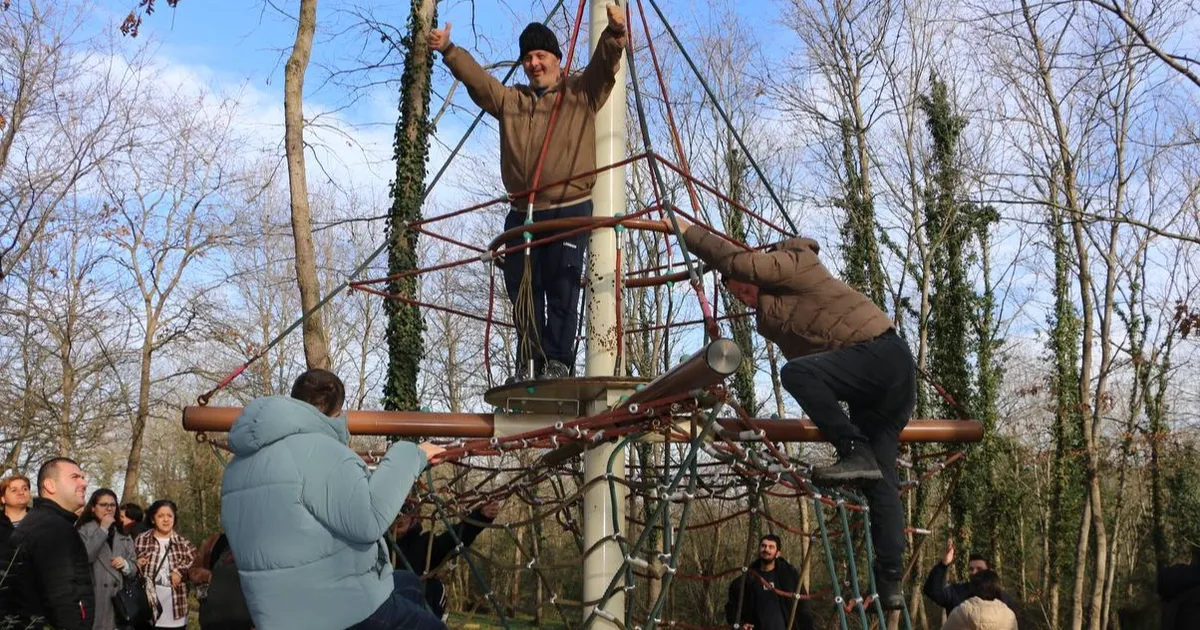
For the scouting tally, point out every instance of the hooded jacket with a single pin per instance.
(981, 614)
(1179, 588)
(524, 118)
(305, 518)
(802, 307)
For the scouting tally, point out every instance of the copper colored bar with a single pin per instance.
(803, 430)
(406, 423)
(481, 425)
(711, 365)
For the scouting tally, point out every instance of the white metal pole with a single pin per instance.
(608, 198)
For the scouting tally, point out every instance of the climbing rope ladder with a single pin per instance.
(705, 452)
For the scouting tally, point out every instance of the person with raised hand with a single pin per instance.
(545, 327)
(111, 552)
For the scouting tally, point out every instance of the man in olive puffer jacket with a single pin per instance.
(841, 348)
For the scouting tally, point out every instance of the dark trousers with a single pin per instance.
(554, 287)
(877, 381)
(404, 610)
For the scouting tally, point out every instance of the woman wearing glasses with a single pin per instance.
(110, 551)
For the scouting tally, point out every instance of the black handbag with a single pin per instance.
(131, 606)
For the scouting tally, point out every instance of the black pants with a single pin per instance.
(403, 610)
(554, 278)
(877, 381)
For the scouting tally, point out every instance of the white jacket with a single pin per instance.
(981, 614)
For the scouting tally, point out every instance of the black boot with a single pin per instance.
(891, 597)
(855, 464)
(523, 374)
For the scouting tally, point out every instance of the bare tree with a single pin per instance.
(59, 114)
(316, 341)
(170, 190)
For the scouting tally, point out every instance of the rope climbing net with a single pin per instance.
(704, 480)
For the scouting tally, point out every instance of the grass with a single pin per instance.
(481, 621)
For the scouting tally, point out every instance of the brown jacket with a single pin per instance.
(801, 306)
(524, 119)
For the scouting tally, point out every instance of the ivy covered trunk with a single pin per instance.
(735, 222)
(948, 230)
(860, 246)
(405, 327)
(1067, 481)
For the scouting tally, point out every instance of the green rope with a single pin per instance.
(851, 565)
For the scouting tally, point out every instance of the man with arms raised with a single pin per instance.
(546, 316)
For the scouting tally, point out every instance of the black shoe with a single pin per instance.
(521, 376)
(891, 597)
(855, 464)
(555, 369)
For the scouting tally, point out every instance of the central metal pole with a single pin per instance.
(608, 198)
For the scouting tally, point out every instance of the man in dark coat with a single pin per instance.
(841, 348)
(752, 602)
(49, 576)
(415, 551)
(949, 596)
(219, 589)
(1179, 588)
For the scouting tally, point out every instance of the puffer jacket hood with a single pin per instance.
(981, 614)
(268, 420)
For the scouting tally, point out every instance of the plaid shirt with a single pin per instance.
(180, 556)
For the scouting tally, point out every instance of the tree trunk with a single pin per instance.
(316, 343)
(133, 464)
(405, 326)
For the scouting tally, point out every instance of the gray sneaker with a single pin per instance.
(555, 369)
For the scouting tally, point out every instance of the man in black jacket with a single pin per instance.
(754, 604)
(949, 596)
(1179, 588)
(49, 577)
(422, 553)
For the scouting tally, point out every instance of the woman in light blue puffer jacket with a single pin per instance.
(306, 519)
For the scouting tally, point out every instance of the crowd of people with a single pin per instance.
(74, 562)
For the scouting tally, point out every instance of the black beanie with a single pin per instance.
(538, 36)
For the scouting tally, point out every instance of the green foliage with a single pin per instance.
(405, 326)
(1181, 484)
(860, 246)
(1067, 483)
(735, 223)
(961, 322)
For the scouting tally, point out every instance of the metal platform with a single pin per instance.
(560, 396)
